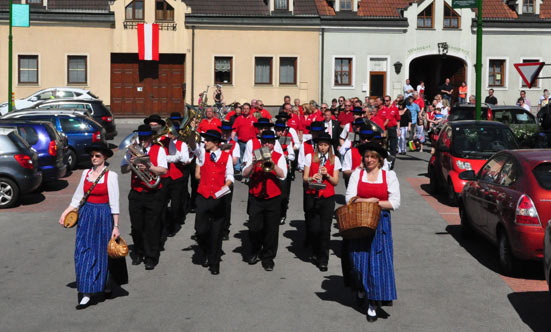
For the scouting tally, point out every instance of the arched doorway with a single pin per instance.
(434, 69)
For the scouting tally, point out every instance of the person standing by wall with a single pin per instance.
(462, 93)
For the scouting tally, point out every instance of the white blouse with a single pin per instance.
(391, 182)
(336, 162)
(112, 190)
(201, 154)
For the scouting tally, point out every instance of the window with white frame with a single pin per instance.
(452, 20)
(28, 69)
(528, 7)
(345, 4)
(263, 70)
(425, 18)
(223, 69)
(281, 5)
(343, 72)
(496, 73)
(287, 70)
(76, 69)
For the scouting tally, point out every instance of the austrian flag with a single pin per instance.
(148, 41)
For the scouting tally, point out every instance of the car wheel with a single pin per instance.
(452, 196)
(71, 159)
(507, 262)
(466, 226)
(9, 193)
(433, 184)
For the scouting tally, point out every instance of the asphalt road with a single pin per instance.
(444, 283)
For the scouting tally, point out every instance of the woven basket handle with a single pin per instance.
(352, 200)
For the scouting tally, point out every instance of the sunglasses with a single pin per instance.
(97, 155)
(387, 100)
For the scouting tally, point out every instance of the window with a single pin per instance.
(281, 4)
(35, 3)
(163, 11)
(490, 171)
(73, 125)
(223, 70)
(29, 134)
(134, 11)
(424, 19)
(343, 71)
(262, 70)
(508, 173)
(76, 69)
(28, 69)
(537, 83)
(346, 4)
(496, 73)
(528, 6)
(452, 20)
(287, 70)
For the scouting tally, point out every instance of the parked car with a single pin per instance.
(510, 115)
(96, 109)
(48, 94)
(19, 172)
(42, 137)
(509, 203)
(547, 255)
(80, 130)
(464, 146)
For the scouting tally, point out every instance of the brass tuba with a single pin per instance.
(186, 132)
(132, 144)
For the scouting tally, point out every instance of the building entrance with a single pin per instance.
(434, 69)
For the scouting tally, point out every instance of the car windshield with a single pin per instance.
(481, 142)
(466, 113)
(543, 175)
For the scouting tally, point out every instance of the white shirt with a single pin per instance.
(229, 164)
(345, 131)
(176, 155)
(408, 90)
(391, 181)
(347, 162)
(336, 162)
(419, 88)
(296, 140)
(112, 190)
(161, 157)
(281, 163)
(526, 107)
(329, 127)
(248, 155)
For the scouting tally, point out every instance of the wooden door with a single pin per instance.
(377, 84)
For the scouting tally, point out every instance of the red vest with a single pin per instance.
(99, 194)
(356, 158)
(165, 142)
(176, 170)
(329, 190)
(265, 185)
(136, 183)
(377, 190)
(308, 148)
(256, 144)
(213, 175)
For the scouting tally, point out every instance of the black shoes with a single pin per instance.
(282, 221)
(371, 319)
(137, 260)
(254, 259)
(215, 269)
(205, 261)
(268, 265)
(149, 266)
(322, 267)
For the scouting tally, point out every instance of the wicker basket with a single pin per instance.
(117, 248)
(358, 219)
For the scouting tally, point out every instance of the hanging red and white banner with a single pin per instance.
(148, 41)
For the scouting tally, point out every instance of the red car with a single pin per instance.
(509, 202)
(465, 146)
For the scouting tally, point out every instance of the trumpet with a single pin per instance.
(264, 157)
(132, 144)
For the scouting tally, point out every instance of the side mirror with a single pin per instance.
(467, 175)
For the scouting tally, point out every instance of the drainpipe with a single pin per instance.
(322, 57)
(192, 65)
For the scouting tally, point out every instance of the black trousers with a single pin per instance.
(145, 218)
(319, 212)
(393, 140)
(209, 223)
(264, 215)
(163, 198)
(294, 165)
(194, 184)
(285, 186)
(227, 218)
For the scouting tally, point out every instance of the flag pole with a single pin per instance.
(479, 60)
(10, 61)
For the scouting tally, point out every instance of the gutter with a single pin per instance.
(192, 65)
(322, 63)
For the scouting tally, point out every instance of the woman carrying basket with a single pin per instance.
(98, 222)
(368, 262)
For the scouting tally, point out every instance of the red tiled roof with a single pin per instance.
(229, 7)
(545, 9)
(377, 8)
(324, 9)
(496, 9)
(304, 7)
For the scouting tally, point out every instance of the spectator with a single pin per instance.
(346, 116)
(491, 99)
(334, 106)
(408, 89)
(231, 116)
(306, 120)
(445, 108)
(544, 99)
(522, 103)
(209, 122)
(421, 89)
(523, 96)
(462, 93)
(243, 129)
(341, 104)
(393, 116)
(447, 90)
(293, 120)
(218, 96)
(405, 127)
(413, 109)
(299, 106)
(418, 100)
(472, 100)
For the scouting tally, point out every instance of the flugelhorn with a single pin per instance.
(264, 156)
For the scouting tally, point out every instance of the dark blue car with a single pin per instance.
(47, 143)
(80, 130)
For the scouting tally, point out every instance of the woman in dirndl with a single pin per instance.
(368, 265)
(98, 222)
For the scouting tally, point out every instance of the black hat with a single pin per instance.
(283, 116)
(358, 110)
(267, 134)
(213, 135)
(263, 122)
(175, 116)
(375, 127)
(323, 137)
(226, 125)
(366, 132)
(316, 126)
(101, 147)
(154, 118)
(144, 130)
(280, 124)
(372, 146)
(358, 122)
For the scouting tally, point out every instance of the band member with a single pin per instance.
(265, 202)
(321, 175)
(228, 145)
(215, 172)
(254, 144)
(348, 134)
(145, 204)
(307, 147)
(292, 122)
(286, 140)
(98, 222)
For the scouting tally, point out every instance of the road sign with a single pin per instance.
(464, 3)
(529, 71)
(20, 14)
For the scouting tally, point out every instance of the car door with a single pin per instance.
(486, 192)
(76, 130)
(445, 152)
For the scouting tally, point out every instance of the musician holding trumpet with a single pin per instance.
(266, 168)
(321, 175)
(145, 203)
